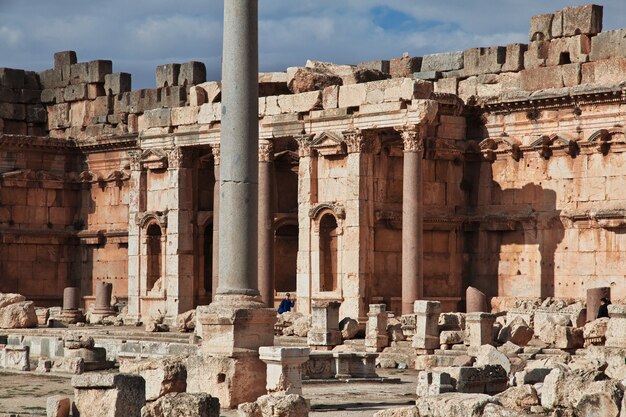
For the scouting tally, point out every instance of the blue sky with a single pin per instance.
(140, 34)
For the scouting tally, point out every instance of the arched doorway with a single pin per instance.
(329, 238)
(155, 260)
(285, 258)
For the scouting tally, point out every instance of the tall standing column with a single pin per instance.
(412, 218)
(239, 173)
(266, 223)
(215, 150)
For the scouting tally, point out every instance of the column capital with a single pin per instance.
(412, 137)
(304, 145)
(357, 141)
(178, 158)
(266, 151)
(215, 150)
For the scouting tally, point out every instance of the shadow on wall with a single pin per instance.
(511, 238)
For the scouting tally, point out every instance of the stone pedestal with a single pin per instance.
(324, 333)
(376, 338)
(594, 295)
(475, 301)
(71, 312)
(479, 329)
(426, 324)
(228, 366)
(109, 395)
(616, 330)
(284, 368)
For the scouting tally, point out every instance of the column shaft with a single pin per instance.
(266, 225)
(238, 232)
(412, 222)
(216, 211)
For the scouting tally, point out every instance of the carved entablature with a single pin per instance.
(304, 145)
(605, 219)
(546, 145)
(604, 138)
(118, 177)
(390, 219)
(266, 151)
(23, 177)
(148, 217)
(492, 147)
(329, 144)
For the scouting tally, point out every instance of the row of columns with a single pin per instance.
(265, 222)
(412, 219)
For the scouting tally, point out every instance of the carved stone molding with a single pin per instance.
(215, 150)
(412, 138)
(304, 145)
(337, 208)
(266, 151)
(357, 141)
(329, 144)
(160, 217)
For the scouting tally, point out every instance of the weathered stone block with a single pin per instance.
(483, 60)
(16, 358)
(167, 75)
(109, 395)
(514, 60)
(426, 324)
(11, 78)
(157, 118)
(191, 73)
(63, 60)
(162, 376)
(427, 75)
(405, 66)
(325, 325)
(75, 92)
(174, 96)
(36, 113)
(479, 329)
(382, 66)
(116, 83)
(58, 405)
(90, 72)
(449, 61)
(568, 50)
(586, 20)
(185, 115)
(284, 368)
(183, 405)
(611, 44)
(52, 79)
(550, 77)
(536, 55)
(606, 72)
(541, 27)
(13, 111)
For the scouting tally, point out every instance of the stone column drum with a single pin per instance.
(426, 335)
(324, 333)
(412, 218)
(479, 329)
(593, 301)
(475, 301)
(284, 368)
(71, 312)
(103, 299)
(376, 338)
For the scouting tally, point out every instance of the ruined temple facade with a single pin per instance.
(501, 168)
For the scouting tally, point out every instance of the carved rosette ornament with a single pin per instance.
(304, 145)
(412, 138)
(215, 150)
(356, 141)
(266, 151)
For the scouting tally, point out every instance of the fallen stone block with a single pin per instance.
(109, 395)
(58, 406)
(291, 405)
(312, 79)
(516, 332)
(399, 412)
(182, 404)
(349, 328)
(451, 337)
(531, 376)
(18, 315)
(433, 383)
(162, 376)
(453, 404)
(16, 358)
(489, 355)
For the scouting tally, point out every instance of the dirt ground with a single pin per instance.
(26, 393)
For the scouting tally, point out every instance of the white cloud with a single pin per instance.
(139, 34)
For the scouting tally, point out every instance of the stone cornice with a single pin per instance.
(108, 143)
(43, 143)
(556, 98)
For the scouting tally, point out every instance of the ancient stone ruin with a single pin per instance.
(455, 217)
